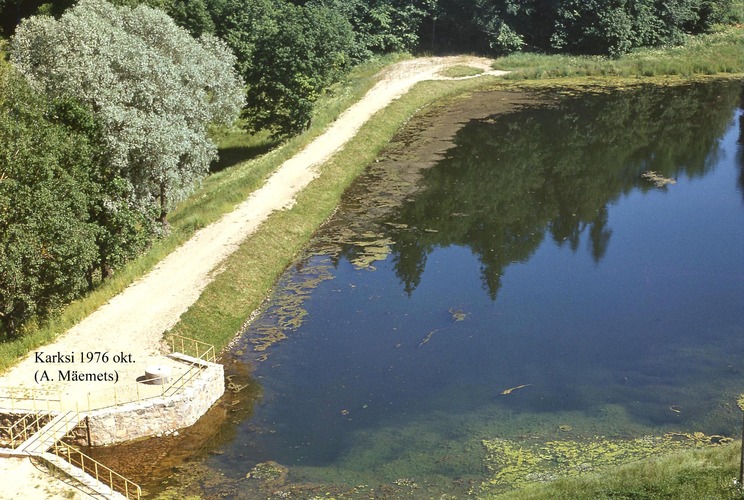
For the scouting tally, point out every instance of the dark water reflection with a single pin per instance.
(532, 254)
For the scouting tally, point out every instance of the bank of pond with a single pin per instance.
(502, 298)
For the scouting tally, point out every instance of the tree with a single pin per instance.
(288, 55)
(64, 216)
(153, 88)
(47, 244)
(381, 26)
(610, 27)
(193, 15)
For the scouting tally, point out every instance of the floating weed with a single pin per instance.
(506, 392)
(659, 180)
(458, 314)
(287, 312)
(512, 464)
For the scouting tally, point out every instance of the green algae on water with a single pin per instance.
(512, 464)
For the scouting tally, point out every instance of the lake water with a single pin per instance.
(525, 282)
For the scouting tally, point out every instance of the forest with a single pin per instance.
(106, 108)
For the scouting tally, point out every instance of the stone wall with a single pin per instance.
(157, 416)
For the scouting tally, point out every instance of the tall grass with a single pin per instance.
(737, 11)
(721, 52)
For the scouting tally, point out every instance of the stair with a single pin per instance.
(90, 482)
(47, 436)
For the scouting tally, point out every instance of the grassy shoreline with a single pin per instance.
(249, 274)
(237, 294)
(218, 195)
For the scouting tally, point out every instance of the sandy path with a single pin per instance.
(132, 323)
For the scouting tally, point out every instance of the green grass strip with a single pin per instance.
(218, 194)
(711, 54)
(460, 71)
(251, 272)
(702, 473)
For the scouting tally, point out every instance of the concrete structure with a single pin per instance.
(159, 415)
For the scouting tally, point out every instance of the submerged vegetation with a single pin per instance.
(320, 90)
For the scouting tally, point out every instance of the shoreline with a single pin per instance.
(132, 323)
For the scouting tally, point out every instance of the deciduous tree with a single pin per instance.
(153, 87)
(47, 244)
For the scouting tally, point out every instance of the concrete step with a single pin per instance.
(185, 358)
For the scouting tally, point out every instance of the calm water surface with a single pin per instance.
(532, 255)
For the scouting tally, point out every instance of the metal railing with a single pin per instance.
(135, 392)
(50, 400)
(27, 425)
(40, 399)
(201, 352)
(45, 402)
(192, 347)
(95, 469)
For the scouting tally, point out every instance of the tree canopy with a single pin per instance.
(64, 216)
(154, 88)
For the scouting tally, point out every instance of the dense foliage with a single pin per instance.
(287, 55)
(113, 128)
(110, 132)
(154, 88)
(610, 27)
(63, 218)
(289, 51)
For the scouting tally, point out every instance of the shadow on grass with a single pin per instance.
(233, 155)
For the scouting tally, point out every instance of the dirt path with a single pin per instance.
(132, 323)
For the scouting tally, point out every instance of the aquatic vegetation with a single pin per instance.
(267, 336)
(233, 386)
(658, 179)
(506, 392)
(513, 464)
(458, 314)
(428, 337)
(270, 472)
(286, 313)
(370, 254)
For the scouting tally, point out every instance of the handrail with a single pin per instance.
(206, 350)
(200, 351)
(18, 394)
(132, 392)
(104, 475)
(24, 431)
(128, 393)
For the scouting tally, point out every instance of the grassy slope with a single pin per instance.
(712, 54)
(251, 272)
